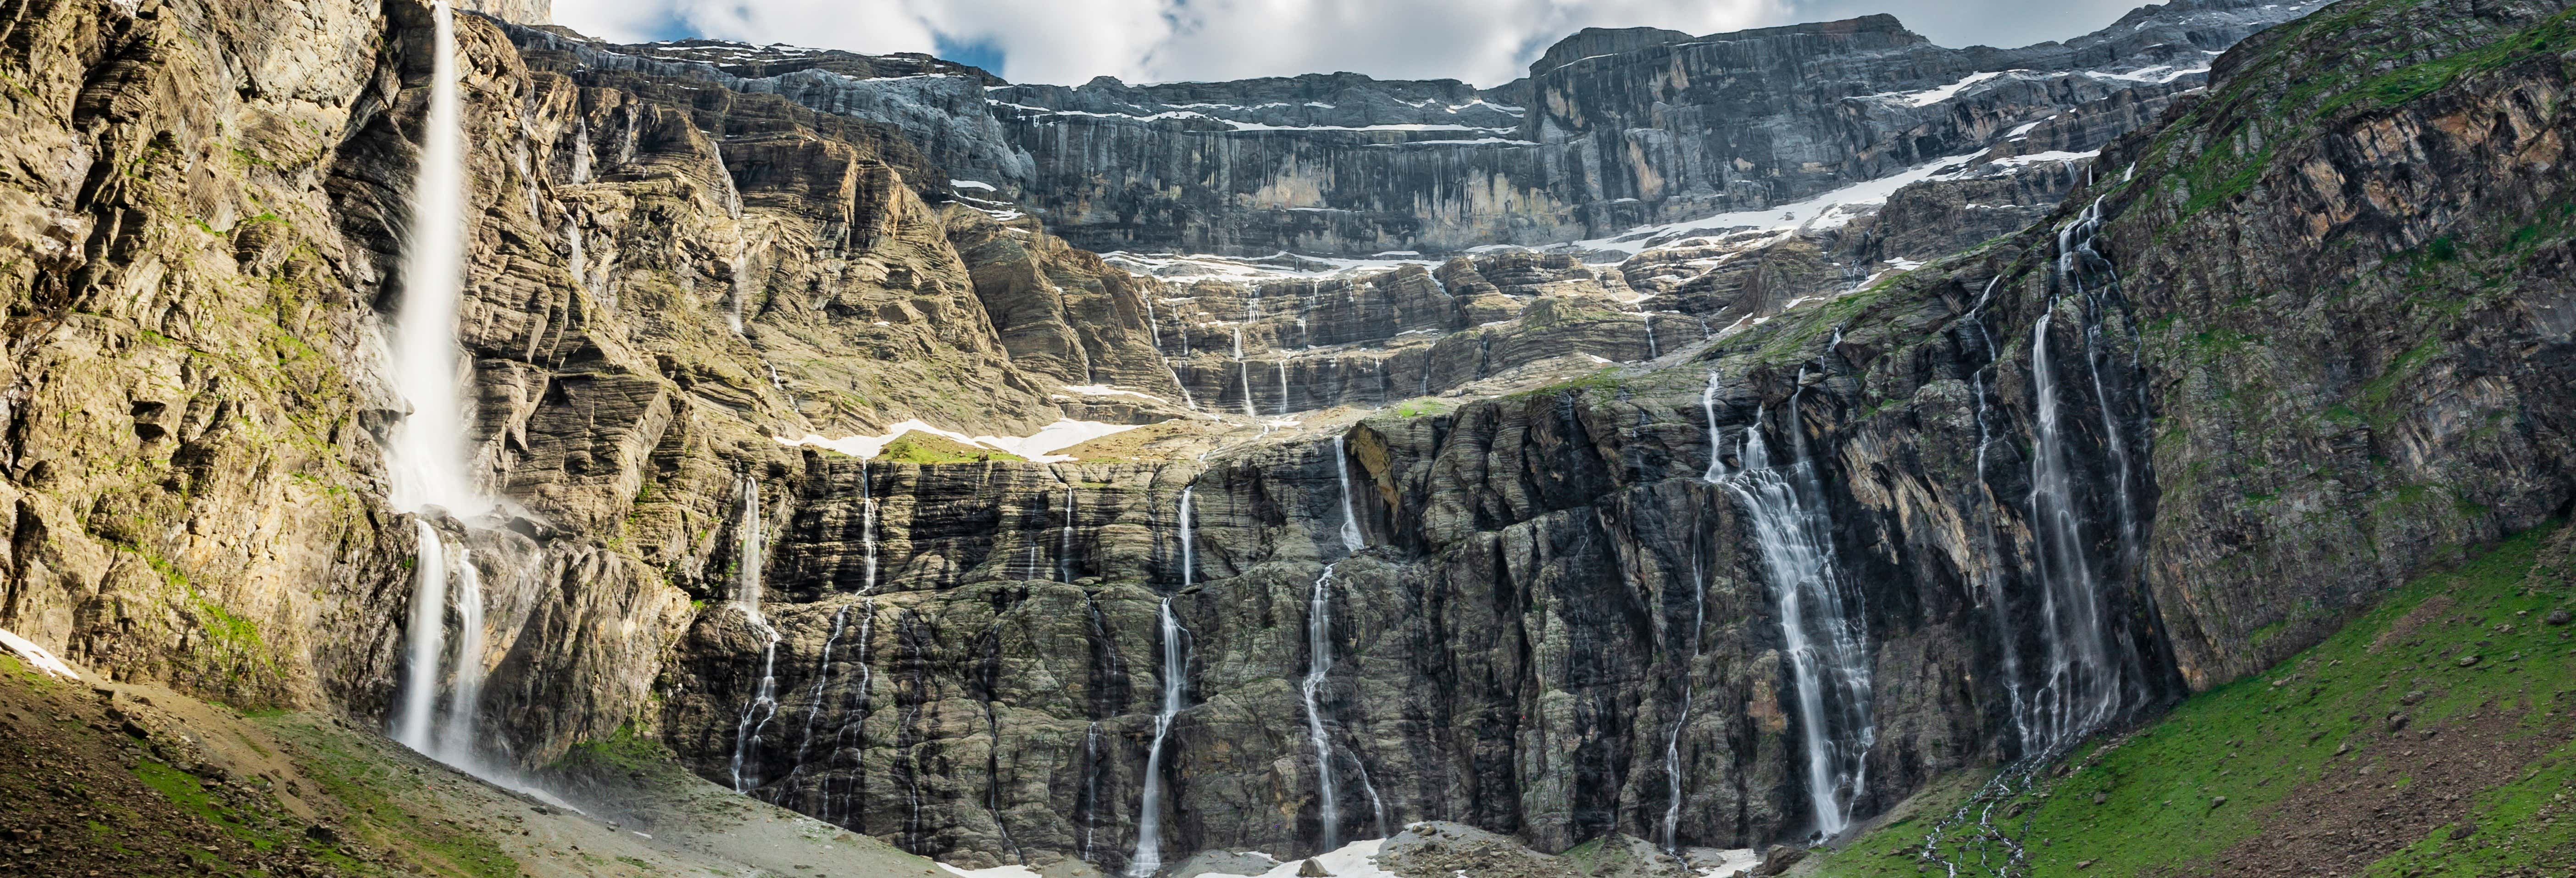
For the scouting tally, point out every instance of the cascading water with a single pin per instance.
(1149, 808)
(867, 529)
(1064, 541)
(1994, 583)
(1351, 539)
(1283, 387)
(428, 445)
(426, 458)
(1319, 663)
(822, 681)
(426, 642)
(456, 743)
(1653, 350)
(2082, 686)
(746, 599)
(1821, 619)
(1673, 742)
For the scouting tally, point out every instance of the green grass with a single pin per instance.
(918, 448)
(377, 792)
(262, 831)
(2256, 740)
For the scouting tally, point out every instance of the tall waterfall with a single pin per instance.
(1821, 619)
(867, 529)
(1351, 539)
(1064, 541)
(1149, 808)
(1673, 742)
(426, 641)
(1319, 662)
(1176, 664)
(1997, 604)
(426, 459)
(456, 742)
(2082, 685)
(746, 598)
(427, 456)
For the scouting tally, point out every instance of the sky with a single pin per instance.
(1485, 42)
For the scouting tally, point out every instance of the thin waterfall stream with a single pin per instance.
(1149, 809)
(1821, 619)
(763, 708)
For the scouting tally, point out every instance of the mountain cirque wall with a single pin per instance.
(2332, 329)
(1610, 130)
(1510, 646)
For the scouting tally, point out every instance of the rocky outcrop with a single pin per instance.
(1611, 130)
(2302, 340)
(1511, 646)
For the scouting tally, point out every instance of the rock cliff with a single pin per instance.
(1711, 533)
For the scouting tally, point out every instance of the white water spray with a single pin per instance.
(1821, 620)
(1351, 539)
(1319, 648)
(426, 640)
(746, 599)
(1149, 808)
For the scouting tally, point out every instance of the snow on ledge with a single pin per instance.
(1038, 447)
(43, 659)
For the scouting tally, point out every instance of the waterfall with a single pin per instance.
(1652, 350)
(740, 288)
(1351, 539)
(1821, 623)
(1319, 662)
(1283, 386)
(1149, 808)
(2079, 689)
(425, 640)
(465, 696)
(746, 598)
(867, 529)
(580, 151)
(1986, 522)
(1188, 560)
(1708, 408)
(1064, 542)
(822, 679)
(1673, 742)
(427, 457)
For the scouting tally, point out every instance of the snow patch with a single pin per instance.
(1928, 97)
(995, 872)
(1037, 447)
(1355, 860)
(44, 659)
(970, 184)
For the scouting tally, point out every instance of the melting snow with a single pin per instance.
(44, 659)
(1823, 211)
(1037, 447)
(1730, 863)
(995, 872)
(1355, 860)
(1928, 97)
(970, 184)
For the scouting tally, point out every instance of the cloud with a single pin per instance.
(1486, 42)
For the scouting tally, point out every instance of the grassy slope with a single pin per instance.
(2275, 746)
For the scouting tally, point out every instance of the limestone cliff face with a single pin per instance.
(2305, 336)
(1511, 646)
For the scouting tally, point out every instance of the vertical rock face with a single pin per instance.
(2303, 338)
(1611, 129)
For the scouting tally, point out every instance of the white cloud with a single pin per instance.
(1486, 42)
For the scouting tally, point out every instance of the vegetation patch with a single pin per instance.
(2431, 734)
